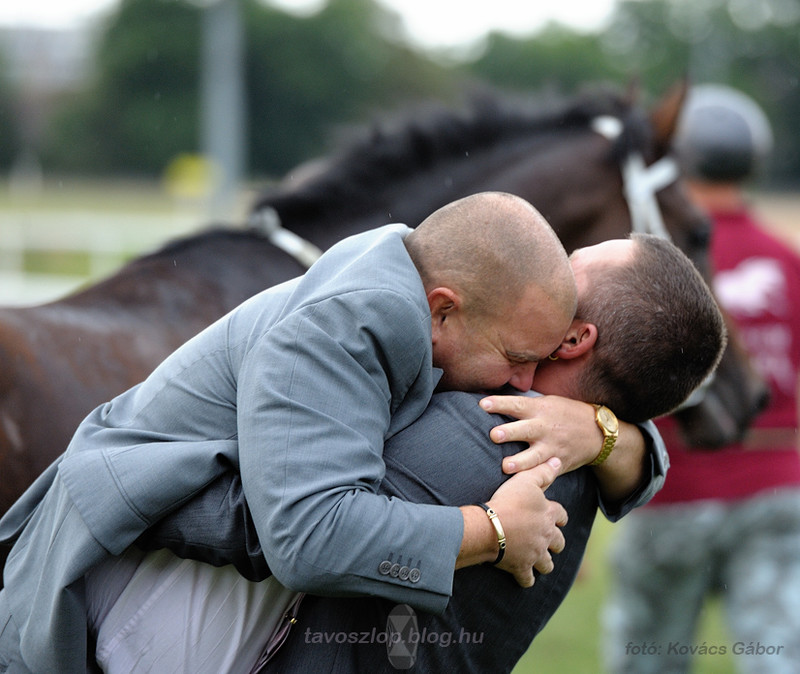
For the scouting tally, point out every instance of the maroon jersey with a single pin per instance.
(757, 281)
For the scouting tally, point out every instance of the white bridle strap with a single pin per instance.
(268, 221)
(641, 183)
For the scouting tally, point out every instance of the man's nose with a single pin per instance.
(522, 379)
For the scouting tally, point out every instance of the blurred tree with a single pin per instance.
(303, 75)
(748, 44)
(8, 131)
(306, 75)
(337, 66)
(554, 58)
(141, 107)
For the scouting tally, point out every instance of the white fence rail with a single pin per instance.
(107, 239)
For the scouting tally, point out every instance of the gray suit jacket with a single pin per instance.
(298, 389)
(445, 457)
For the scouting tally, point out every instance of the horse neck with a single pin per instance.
(578, 189)
(217, 271)
(409, 199)
(336, 222)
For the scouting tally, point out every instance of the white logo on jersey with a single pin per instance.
(756, 286)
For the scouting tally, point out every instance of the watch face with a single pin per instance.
(608, 419)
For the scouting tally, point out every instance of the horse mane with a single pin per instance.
(402, 147)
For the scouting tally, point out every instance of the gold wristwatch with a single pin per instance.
(607, 421)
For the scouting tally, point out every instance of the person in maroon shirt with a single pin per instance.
(727, 521)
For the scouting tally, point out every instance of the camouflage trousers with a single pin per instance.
(666, 560)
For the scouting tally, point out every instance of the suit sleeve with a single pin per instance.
(214, 527)
(657, 464)
(317, 394)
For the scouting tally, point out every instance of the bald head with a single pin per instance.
(491, 247)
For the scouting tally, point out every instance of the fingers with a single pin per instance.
(545, 564)
(524, 577)
(529, 424)
(535, 538)
(541, 474)
(513, 431)
(559, 542)
(512, 406)
(550, 425)
(524, 460)
(561, 520)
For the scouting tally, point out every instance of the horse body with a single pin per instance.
(62, 359)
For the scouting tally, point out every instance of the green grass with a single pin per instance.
(571, 641)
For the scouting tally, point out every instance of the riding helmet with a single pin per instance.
(723, 135)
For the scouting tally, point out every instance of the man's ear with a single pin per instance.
(443, 302)
(579, 340)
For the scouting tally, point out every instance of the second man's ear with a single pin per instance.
(580, 338)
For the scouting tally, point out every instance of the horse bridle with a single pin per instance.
(268, 222)
(641, 183)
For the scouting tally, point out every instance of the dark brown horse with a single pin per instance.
(574, 161)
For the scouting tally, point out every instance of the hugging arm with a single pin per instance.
(216, 526)
(632, 473)
(444, 458)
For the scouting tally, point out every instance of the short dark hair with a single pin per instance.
(660, 331)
